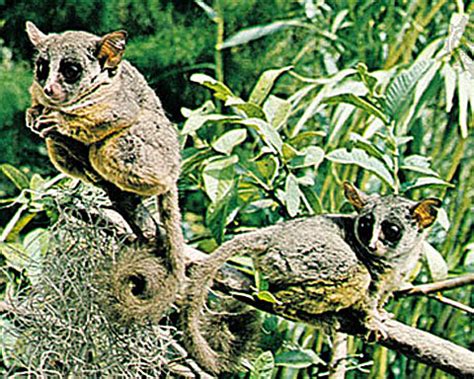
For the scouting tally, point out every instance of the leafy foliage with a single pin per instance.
(280, 102)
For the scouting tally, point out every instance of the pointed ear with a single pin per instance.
(355, 196)
(111, 48)
(36, 36)
(425, 212)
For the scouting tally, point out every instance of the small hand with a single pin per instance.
(45, 123)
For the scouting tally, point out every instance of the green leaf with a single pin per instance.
(19, 220)
(268, 134)
(265, 84)
(211, 13)
(263, 366)
(360, 158)
(193, 157)
(267, 297)
(250, 109)
(399, 93)
(15, 255)
(365, 105)
(219, 176)
(426, 181)
(298, 359)
(369, 80)
(449, 84)
(221, 91)
(217, 214)
(36, 245)
(443, 219)
(437, 266)
(418, 163)
(267, 168)
(18, 178)
(255, 32)
(310, 156)
(371, 148)
(304, 139)
(195, 122)
(277, 111)
(226, 143)
(37, 182)
(311, 200)
(206, 108)
(469, 260)
(292, 195)
(464, 83)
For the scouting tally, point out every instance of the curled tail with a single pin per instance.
(170, 217)
(200, 281)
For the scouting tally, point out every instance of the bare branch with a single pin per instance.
(442, 285)
(453, 303)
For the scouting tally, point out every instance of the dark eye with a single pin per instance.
(392, 232)
(71, 71)
(42, 69)
(365, 227)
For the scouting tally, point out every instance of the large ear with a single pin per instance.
(111, 48)
(36, 36)
(355, 196)
(425, 212)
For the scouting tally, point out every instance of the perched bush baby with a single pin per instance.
(103, 124)
(324, 269)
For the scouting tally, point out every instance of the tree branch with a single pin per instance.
(414, 343)
(442, 285)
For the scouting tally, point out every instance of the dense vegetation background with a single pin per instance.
(278, 102)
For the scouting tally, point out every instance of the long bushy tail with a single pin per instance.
(200, 281)
(170, 217)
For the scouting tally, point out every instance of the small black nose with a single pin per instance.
(48, 90)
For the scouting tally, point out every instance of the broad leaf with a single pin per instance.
(298, 359)
(217, 214)
(263, 366)
(426, 182)
(292, 195)
(195, 122)
(399, 93)
(267, 168)
(418, 163)
(226, 143)
(268, 134)
(276, 111)
(311, 200)
(221, 91)
(310, 156)
(18, 178)
(250, 109)
(265, 84)
(437, 265)
(218, 176)
(361, 158)
(15, 255)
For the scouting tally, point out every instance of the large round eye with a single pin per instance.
(71, 71)
(42, 69)
(392, 232)
(365, 227)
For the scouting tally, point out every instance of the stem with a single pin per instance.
(337, 365)
(218, 54)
